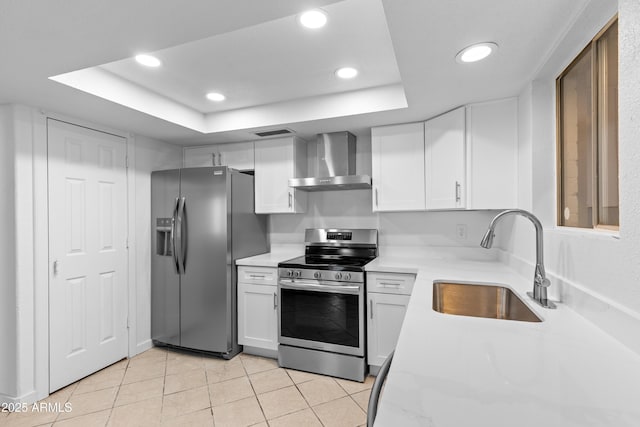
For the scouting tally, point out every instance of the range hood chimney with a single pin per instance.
(336, 165)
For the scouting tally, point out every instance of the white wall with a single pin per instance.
(8, 326)
(594, 272)
(150, 155)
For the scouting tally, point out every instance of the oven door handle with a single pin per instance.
(350, 289)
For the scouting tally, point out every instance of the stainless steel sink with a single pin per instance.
(480, 300)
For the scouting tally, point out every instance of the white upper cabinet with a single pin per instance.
(445, 160)
(492, 150)
(397, 155)
(277, 161)
(236, 155)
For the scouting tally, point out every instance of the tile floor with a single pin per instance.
(166, 387)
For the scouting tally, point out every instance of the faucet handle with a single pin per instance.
(545, 283)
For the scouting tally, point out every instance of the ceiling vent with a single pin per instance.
(275, 132)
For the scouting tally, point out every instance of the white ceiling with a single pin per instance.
(274, 73)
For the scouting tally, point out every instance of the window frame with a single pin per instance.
(591, 47)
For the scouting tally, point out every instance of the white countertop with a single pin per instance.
(460, 371)
(270, 259)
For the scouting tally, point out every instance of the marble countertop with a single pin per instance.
(459, 371)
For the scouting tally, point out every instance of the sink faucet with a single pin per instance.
(540, 281)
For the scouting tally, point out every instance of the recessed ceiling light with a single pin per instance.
(346, 72)
(476, 52)
(215, 96)
(313, 19)
(148, 60)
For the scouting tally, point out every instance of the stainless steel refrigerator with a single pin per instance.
(202, 221)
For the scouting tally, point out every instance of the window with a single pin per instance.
(587, 113)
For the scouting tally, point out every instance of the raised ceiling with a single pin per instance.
(274, 73)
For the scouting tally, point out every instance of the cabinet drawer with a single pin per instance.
(260, 275)
(390, 283)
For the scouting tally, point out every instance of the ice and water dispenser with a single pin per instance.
(163, 237)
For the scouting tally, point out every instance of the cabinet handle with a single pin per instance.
(275, 301)
(213, 159)
(256, 276)
(371, 309)
(219, 158)
(376, 197)
(289, 198)
(457, 191)
(390, 285)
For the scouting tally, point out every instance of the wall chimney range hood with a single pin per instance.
(336, 165)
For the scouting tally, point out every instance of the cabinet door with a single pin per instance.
(386, 313)
(237, 155)
(445, 160)
(398, 167)
(257, 316)
(277, 161)
(492, 152)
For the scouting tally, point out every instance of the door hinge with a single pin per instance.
(126, 162)
(128, 325)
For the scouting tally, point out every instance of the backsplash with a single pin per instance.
(352, 209)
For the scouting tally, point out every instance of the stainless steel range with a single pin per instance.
(321, 314)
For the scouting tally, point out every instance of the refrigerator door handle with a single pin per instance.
(173, 236)
(181, 237)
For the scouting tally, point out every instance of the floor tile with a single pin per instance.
(213, 363)
(106, 378)
(120, 365)
(153, 368)
(240, 413)
(139, 360)
(96, 419)
(362, 399)
(202, 418)
(253, 364)
(281, 402)
(302, 418)
(321, 390)
(270, 380)
(342, 412)
(225, 372)
(28, 418)
(90, 402)
(186, 381)
(230, 391)
(302, 376)
(185, 402)
(182, 365)
(145, 413)
(354, 386)
(141, 390)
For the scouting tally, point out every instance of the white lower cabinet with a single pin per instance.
(258, 308)
(386, 309)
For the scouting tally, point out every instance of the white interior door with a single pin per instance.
(87, 251)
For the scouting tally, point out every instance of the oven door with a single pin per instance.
(322, 315)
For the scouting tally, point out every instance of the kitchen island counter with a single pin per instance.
(451, 370)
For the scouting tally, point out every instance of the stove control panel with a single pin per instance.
(311, 274)
(294, 274)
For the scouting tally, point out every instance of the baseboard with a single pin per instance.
(611, 317)
(142, 347)
(30, 397)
